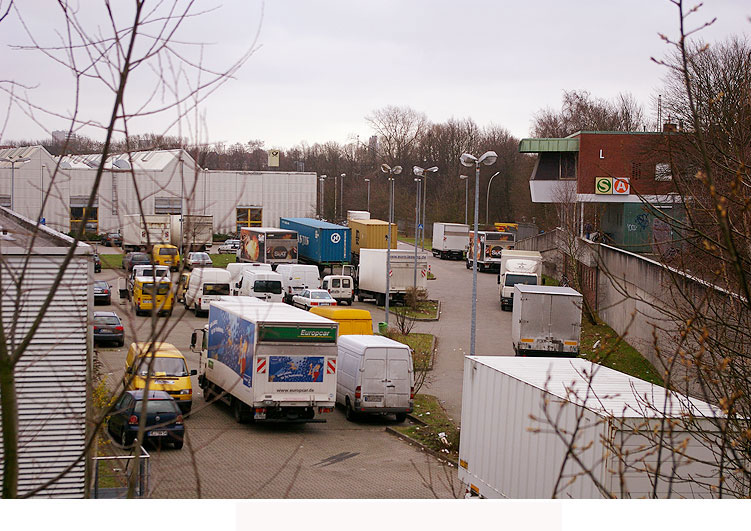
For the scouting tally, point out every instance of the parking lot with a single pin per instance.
(338, 459)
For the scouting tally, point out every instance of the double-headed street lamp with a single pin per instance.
(424, 174)
(466, 194)
(487, 197)
(13, 161)
(417, 171)
(488, 158)
(396, 170)
(368, 181)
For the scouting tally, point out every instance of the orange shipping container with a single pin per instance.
(371, 234)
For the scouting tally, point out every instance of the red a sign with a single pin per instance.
(621, 186)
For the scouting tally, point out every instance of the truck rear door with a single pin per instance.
(398, 385)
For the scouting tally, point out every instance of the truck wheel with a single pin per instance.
(381, 300)
(400, 417)
(349, 413)
(239, 411)
(208, 393)
(469, 265)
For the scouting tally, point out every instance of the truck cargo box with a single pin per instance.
(197, 232)
(267, 245)
(320, 242)
(546, 320)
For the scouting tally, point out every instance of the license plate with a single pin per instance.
(259, 416)
(374, 398)
(105, 331)
(157, 433)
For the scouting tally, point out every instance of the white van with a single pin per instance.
(297, 277)
(236, 273)
(206, 284)
(341, 287)
(374, 374)
(265, 285)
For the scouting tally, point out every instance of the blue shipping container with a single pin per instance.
(318, 241)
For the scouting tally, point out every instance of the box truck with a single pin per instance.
(140, 232)
(489, 247)
(450, 240)
(370, 234)
(268, 361)
(267, 245)
(197, 232)
(546, 321)
(508, 448)
(517, 267)
(357, 214)
(371, 274)
(320, 242)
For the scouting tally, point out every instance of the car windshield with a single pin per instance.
(169, 251)
(114, 235)
(319, 295)
(164, 367)
(200, 256)
(512, 280)
(101, 284)
(139, 257)
(106, 320)
(156, 406)
(163, 289)
(216, 289)
(267, 286)
(150, 272)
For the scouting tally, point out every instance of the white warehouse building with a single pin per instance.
(162, 182)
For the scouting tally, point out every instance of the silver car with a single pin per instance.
(311, 298)
(198, 259)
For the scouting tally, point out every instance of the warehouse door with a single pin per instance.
(78, 211)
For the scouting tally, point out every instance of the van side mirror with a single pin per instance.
(193, 339)
(499, 278)
(193, 372)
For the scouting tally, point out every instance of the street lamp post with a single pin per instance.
(396, 170)
(368, 181)
(417, 221)
(488, 158)
(341, 198)
(424, 198)
(13, 161)
(321, 180)
(466, 194)
(487, 197)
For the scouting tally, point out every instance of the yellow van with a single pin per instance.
(165, 254)
(143, 295)
(350, 321)
(169, 371)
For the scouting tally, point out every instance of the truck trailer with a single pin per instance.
(269, 361)
(320, 242)
(450, 240)
(371, 274)
(267, 245)
(489, 247)
(606, 441)
(517, 267)
(546, 321)
(197, 232)
(141, 232)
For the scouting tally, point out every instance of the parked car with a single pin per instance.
(168, 368)
(313, 297)
(166, 254)
(164, 422)
(112, 239)
(229, 247)
(102, 292)
(97, 264)
(108, 327)
(198, 259)
(135, 258)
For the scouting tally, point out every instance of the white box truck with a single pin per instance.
(140, 232)
(508, 448)
(357, 214)
(197, 232)
(267, 245)
(268, 361)
(371, 274)
(375, 375)
(450, 240)
(517, 267)
(546, 321)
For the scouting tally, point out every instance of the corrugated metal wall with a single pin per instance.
(51, 377)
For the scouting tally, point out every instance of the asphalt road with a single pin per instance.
(337, 459)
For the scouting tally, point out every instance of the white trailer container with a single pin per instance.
(357, 214)
(268, 361)
(371, 274)
(450, 240)
(517, 267)
(140, 232)
(509, 450)
(267, 245)
(490, 245)
(197, 232)
(546, 320)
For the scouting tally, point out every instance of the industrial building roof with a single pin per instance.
(139, 160)
(17, 153)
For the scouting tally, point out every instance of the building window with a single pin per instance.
(79, 210)
(5, 201)
(568, 166)
(249, 217)
(168, 205)
(663, 172)
(636, 170)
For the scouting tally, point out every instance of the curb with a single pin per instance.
(421, 319)
(410, 440)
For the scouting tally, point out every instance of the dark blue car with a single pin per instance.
(164, 422)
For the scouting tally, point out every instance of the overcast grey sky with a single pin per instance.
(322, 66)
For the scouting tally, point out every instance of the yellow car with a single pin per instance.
(351, 321)
(164, 254)
(149, 295)
(167, 371)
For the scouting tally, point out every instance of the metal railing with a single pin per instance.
(111, 475)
